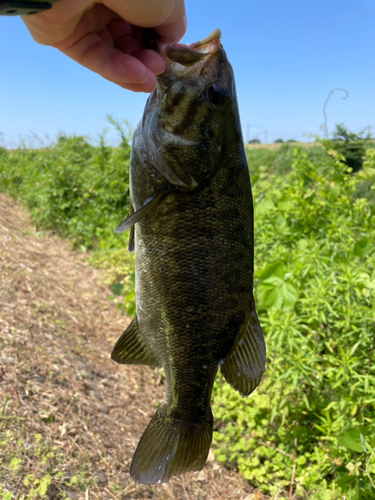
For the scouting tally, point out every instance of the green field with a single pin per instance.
(311, 423)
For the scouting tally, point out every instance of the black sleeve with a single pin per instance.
(24, 7)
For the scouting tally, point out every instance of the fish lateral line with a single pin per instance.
(141, 212)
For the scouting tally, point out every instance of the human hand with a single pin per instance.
(106, 36)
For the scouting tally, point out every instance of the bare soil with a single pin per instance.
(68, 414)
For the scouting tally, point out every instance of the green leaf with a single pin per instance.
(285, 204)
(5, 405)
(367, 173)
(263, 206)
(345, 480)
(363, 442)
(351, 440)
(44, 483)
(15, 463)
(275, 268)
(277, 294)
(268, 296)
(363, 247)
(117, 289)
(289, 294)
(275, 290)
(274, 281)
(302, 244)
(254, 179)
(333, 193)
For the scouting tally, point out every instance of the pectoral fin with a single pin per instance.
(131, 240)
(131, 349)
(137, 216)
(131, 235)
(244, 366)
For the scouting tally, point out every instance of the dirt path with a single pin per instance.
(70, 418)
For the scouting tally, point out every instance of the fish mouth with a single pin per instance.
(189, 54)
(184, 56)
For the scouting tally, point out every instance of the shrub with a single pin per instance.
(314, 413)
(351, 146)
(79, 191)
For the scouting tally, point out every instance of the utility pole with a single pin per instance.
(265, 137)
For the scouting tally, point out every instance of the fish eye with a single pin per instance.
(217, 94)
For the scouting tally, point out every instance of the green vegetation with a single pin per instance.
(352, 146)
(310, 427)
(48, 466)
(279, 161)
(80, 192)
(314, 413)
(73, 188)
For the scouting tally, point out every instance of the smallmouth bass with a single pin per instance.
(191, 228)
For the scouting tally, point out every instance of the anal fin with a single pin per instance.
(244, 366)
(131, 349)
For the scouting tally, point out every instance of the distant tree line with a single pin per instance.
(257, 141)
(352, 146)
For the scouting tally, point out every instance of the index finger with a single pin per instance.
(173, 28)
(166, 17)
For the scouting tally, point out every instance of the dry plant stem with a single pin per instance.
(183, 487)
(372, 348)
(110, 493)
(129, 488)
(294, 468)
(292, 482)
(276, 449)
(370, 357)
(277, 494)
(155, 493)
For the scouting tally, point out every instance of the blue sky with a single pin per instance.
(286, 58)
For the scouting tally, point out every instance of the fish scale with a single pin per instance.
(192, 229)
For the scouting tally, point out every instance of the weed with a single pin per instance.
(313, 415)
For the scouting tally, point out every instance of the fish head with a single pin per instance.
(191, 112)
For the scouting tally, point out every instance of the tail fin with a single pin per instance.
(169, 447)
